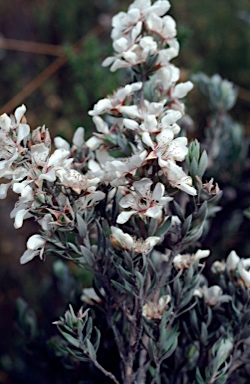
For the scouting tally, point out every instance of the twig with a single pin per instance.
(31, 47)
(106, 373)
(44, 75)
(243, 94)
(156, 374)
(141, 373)
(118, 340)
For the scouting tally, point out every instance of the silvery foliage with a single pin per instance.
(125, 207)
(222, 131)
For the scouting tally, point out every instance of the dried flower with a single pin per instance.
(153, 310)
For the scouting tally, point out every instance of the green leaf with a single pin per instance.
(170, 350)
(88, 256)
(186, 225)
(91, 350)
(140, 279)
(124, 273)
(73, 246)
(72, 340)
(204, 333)
(125, 289)
(164, 228)
(199, 379)
(202, 164)
(98, 338)
(81, 225)
(152, 227)
(193, 168)
(202, 212)
(247, 213)
(178, 211)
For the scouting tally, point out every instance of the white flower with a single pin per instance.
(181, 90)
(163, 26)
(232, 261)
(113, 104)
(166, 147)
(214, 295)
(78, 138)
(178, 178)
(46, 222)
(101, 126)
(73, 179)
(39, 154)
(123, 240)
(41, 135)
(61, 143)
(184, 261)
(149, 113)
(218, 266)
(153, 310)
(160, 7)
(90, 297)
(8, 153)
(35, 247)
(59, 158)
(142, 201)
(243, 268)
(126, 23)
(13, 131)
(117, 169)
(91, 198)
(4, 189)
(165, 77)
(167, 54)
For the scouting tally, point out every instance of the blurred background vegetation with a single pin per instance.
(59, 80)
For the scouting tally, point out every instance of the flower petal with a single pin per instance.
(123, 217)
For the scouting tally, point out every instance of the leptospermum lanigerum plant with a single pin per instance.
(129, 206)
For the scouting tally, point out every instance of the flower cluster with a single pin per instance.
(235, 266)
(135, 150)
(132, 45)
(122, 206)
(43, 181)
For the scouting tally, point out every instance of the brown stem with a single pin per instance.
(134, 340)
(106, 373)
(128, 374)
(156, 374)
(118, 339)
(43, 76)
(31, 47)
(141, 373)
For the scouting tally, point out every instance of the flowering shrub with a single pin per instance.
(126, 207)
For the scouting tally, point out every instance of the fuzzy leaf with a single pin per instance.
(186, 225)
(88, 256)
(164, 228)
(72, 340)
(199, 379)
(124, 289)
(91, 350)
(98, 338)
(152, 227)
(178, 211)
(193, 168)
(202, 164)
(202, 212)
(81, 226)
